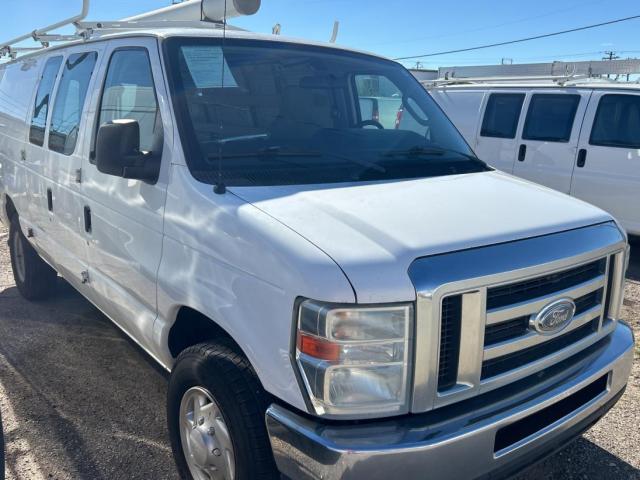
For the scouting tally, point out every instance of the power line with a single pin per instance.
(556, 56)
(520, 40)
(490, 27)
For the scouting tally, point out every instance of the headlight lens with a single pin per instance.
(355, 361)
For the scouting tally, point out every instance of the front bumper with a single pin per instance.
(467, 439)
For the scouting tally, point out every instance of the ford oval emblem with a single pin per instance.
(555, 317)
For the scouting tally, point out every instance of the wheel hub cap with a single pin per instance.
(19, 257)
(205, 437)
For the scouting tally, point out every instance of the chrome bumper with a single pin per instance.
(458, 441)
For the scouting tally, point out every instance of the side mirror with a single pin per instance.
(118, 152)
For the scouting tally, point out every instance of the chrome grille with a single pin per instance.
(449, 341)
(544, 285)
(580, 284)
(499, 365)
(496, 291)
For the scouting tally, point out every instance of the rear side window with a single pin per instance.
(67, 111)
(617, 122)
(43, 98)
(501, 115)
(550, 117)
(129, 93)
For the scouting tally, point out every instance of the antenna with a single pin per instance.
(334, 34)
(219, 186)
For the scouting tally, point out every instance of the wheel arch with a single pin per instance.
(191, 327)
(10, 210)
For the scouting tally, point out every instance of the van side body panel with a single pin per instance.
(245, 270)
(125, 242)
(610, 175)
(17, 87)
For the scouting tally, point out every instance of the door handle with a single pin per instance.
(522, 153)
(87, 219)
(582, 157)
(49, 199)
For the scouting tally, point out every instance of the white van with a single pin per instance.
(334, 299)
(579, 139)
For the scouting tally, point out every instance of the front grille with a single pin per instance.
(490, 317)
(588, 301)
(449, 341)
(517, 327)
(506, 330)
(607, 302)
(543, 285)
(510, 339)
(497, 366)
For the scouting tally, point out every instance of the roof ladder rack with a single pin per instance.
(558, 79)
(190, 13)
(43, 36)
(556, 72)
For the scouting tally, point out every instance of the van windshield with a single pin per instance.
(255, 113)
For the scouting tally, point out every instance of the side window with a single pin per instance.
(550, 117)
(617, 122)
(502, 114)
(67, 111)
(379, 99)
(17, 84)
(43, 97)
(129, 93)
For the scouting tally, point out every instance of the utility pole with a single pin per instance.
(610, 55)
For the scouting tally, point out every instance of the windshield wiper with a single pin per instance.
(279, 152)
(419, 151)
(268, 152)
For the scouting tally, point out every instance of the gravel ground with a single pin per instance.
(80, 401)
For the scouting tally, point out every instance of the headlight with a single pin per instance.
(355, 361)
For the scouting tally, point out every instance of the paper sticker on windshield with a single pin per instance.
(205, 63)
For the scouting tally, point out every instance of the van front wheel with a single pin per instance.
(215, 415)
(34, 278)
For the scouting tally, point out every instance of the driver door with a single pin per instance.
(123, 218)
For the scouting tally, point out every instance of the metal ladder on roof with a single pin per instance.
(560, 73)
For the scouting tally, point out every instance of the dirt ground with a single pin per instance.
(79, 401)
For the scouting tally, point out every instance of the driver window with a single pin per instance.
(379, 100)
(129, 93)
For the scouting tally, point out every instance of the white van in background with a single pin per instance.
(583, 139)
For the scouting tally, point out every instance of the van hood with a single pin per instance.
(374, 231)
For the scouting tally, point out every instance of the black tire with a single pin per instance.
(233, 383)
(37, 279)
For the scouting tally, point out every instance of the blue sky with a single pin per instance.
(398, 28)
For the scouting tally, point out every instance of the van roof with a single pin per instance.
(212, 31)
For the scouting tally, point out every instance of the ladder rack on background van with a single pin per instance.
(559, 73)
(188, 14)
(557, 79)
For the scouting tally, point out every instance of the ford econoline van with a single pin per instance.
(335, 297)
